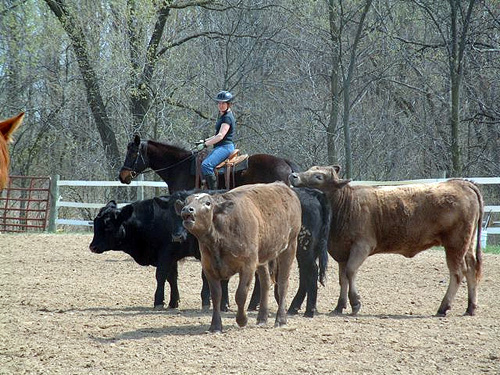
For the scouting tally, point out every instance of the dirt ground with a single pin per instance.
(64, 310)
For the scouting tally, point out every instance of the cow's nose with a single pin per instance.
(188, 209)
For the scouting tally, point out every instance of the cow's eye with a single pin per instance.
(207, 204)
(319, 177)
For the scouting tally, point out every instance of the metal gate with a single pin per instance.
(25, 204)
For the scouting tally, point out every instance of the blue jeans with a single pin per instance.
(217, 155)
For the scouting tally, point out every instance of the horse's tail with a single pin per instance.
(293, 166)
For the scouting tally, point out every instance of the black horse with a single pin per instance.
(175, 166)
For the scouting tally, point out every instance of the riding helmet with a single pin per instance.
(224, 96)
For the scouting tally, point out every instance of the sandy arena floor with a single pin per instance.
(64, 310)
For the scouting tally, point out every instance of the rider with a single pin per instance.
(222, 140)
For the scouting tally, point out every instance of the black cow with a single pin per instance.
(312, 248)
(148, 231)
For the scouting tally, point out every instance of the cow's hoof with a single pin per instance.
(309, 314)
(215, 331)
(224, 308)
(242, 321)
(158, 307)
(292, 311)
(205, 308)
(279, 324)
(356, 308)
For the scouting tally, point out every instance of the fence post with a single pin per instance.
(54, 196)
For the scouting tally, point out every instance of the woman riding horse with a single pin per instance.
(222, 140)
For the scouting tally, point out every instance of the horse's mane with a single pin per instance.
(176, 147)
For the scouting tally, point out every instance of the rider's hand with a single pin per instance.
(200, 145)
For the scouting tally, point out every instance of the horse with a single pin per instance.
(174, 165)
(7, 128)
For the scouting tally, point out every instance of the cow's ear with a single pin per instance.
(179, 205)
(126, 212)
(223, 207)
(341, 183)
(162, 202)
(111, 204)
(336, 168)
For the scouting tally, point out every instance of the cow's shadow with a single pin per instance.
(169, 328)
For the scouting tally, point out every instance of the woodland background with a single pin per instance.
(388, 89)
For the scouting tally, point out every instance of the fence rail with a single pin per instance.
(58, 202)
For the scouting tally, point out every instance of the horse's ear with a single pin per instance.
(137, 139)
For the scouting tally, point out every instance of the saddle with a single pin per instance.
(234, 163)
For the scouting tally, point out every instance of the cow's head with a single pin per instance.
(109, 231)
(199, 210)
(173, 224)
(321, 178)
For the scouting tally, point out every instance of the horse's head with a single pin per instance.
(135, 162)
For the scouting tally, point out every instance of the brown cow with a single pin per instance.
(240, 231)
(401, 220)
(7, 128)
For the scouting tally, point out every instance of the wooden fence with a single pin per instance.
(491, 227)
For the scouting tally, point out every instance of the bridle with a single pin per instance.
(142, 155)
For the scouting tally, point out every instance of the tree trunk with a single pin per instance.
(347, 92)
(94, 98)
(334, 88)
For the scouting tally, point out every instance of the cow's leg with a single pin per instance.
(216, 293)
(255, 298)
(472, 283)
(172, 277)
(205, 293)
(224, 302)
(246, 276)
(344, 286)
(456, 266)
(301, 292)
(358, 255)
(265, 284)
(166, 270)
(312, 290)
(285, 261)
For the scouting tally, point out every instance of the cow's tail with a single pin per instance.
(323, 242)
(479, 254)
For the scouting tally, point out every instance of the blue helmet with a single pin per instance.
(224, 96)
